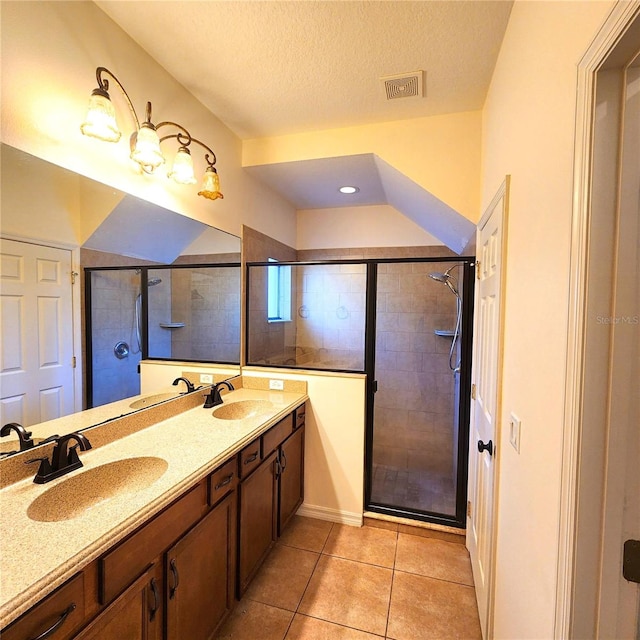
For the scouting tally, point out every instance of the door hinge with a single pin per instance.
(478, 269)
(74, 275)
(468, 508)
(73, 362)
(473, 391)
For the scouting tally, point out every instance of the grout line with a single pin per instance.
(460, 584)
(344, 626)
(386, 628)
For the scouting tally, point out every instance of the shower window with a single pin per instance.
(327, 318)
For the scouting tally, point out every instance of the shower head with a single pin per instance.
(446, 278)
(152, 282)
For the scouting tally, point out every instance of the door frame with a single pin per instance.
(614, 28)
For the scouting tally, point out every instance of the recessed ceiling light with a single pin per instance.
(348, 189)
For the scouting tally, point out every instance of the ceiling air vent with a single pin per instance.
(406, 85)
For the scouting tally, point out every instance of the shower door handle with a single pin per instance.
(485, 447)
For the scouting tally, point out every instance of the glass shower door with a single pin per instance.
(416, 447)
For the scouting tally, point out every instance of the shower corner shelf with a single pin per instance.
(445, 333)
(172, 325)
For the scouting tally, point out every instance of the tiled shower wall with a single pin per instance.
(207, 301)
(414, 424)
(112, 320)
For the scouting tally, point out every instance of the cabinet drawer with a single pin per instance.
(223, 480)
(62, 613)
(250, 457)
(277, 434)
(300, 414)
(128, 560)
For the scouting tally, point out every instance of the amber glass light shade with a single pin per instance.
(211, 185)
(101, 118)
(147, 151)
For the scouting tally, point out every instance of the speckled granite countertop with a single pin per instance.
(36, 557)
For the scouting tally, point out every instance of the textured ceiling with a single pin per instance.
(269, 67)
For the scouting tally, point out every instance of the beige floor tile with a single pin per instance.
(305, 628)
(433, 558)
(364, 544)
(306, 533)
(252, 620)
(349, 593)
(283, 577)
(426, 608)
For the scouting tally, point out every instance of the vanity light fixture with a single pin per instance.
(145, 142)
(348, 189)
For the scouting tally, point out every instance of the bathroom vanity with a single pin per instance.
(170, 559)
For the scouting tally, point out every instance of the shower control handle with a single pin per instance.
(485, 447)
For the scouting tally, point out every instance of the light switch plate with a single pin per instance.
(514, 431)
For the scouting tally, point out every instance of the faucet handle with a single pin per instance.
(44, 470)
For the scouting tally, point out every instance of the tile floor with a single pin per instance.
(325, 581)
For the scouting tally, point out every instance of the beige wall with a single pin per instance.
(334, 443)
(50, 51)
(355, 227)
(528, 132)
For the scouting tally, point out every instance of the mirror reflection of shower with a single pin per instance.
(452, 284)
(152, 282)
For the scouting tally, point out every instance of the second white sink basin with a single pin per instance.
(242, 409)
(84, 490)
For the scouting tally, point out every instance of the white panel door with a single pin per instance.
(36, 370)
(485, 405)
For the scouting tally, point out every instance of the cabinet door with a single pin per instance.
(291, 492)
(200, 570)
(134, 615)
(258, 515)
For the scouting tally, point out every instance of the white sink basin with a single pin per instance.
(86, 489)
(242, 409)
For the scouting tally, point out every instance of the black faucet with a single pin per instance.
(213, 398)
(189, 384)
(63, 459)
(24, 436)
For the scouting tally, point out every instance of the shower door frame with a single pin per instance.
(457, 521)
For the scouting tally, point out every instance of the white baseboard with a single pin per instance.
(332, 515)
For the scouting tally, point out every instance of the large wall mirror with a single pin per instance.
(150, 281)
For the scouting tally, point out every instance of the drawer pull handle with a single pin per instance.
(251, 458)
(57, 624)
(284, 460)
(176, 578)
(224, 482)
(278, 468)
(156, 600)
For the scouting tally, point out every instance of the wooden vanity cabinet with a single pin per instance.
(200, 574)
(270, 495)
(291, 479)
(176, 577)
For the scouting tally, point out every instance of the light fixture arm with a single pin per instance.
(103, 84)
(185, 139)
